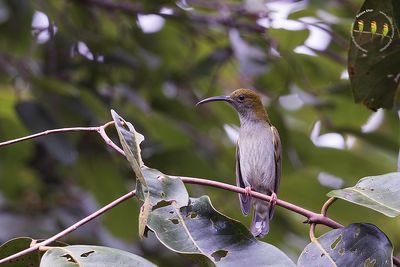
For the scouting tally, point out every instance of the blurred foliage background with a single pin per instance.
(67, 63)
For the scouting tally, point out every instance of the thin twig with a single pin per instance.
(312, 217)
(62, 130)
(70, 229)
(99, 129)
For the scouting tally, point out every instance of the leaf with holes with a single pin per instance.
(164, 188)
(200, 229)
(130, 141)
(380, 193)
(91, 256)
(358, 244)
(374, 55)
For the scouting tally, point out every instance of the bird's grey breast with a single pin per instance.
(257, 161)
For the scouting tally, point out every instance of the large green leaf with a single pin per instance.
(130, 140)
(355, 245)
(381, 193)
(200, 229)
(373, 58)
(91, 256)
(160, 188)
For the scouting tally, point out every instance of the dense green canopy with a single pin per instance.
(67, 63)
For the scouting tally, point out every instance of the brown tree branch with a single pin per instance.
(70, 229)
(99, 129)
(313, 218)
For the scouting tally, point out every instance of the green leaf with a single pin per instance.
(355, 245)
(160, 188)
(380, 193)
(16, 245)
(130, 141)
(165, 188)
(200, 229)
(91, 256)
(373, 58)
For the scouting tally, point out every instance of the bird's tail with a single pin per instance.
(263, 212)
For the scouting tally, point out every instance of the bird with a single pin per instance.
(385, 30)
(360, 24)
(258, 157)
(373, 27)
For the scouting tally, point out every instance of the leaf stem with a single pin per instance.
(312, 217)
(326, 206)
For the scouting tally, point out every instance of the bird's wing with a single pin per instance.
(245, 201)
(278, 157)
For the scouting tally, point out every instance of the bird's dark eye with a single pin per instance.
(241, 97)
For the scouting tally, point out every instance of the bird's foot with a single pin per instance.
(247, 191)
(273, 199)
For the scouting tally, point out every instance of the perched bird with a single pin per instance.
(360, 24)
(373, 27)
(385, 30)
(258, 156)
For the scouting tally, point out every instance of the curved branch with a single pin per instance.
(327, 204)
(70, 229)
(312, 217)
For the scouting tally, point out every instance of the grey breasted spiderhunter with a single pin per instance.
(258, 156)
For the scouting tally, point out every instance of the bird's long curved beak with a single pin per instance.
(215, 98)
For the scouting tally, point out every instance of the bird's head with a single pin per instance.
(247, 103)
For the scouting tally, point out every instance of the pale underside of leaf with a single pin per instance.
(380, 193)
(200, 229)
(83, 256)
